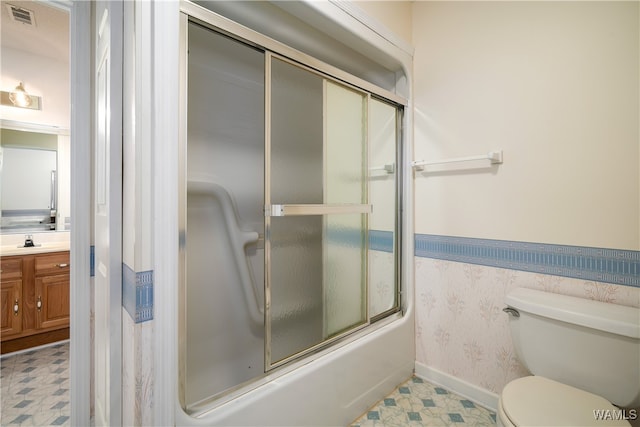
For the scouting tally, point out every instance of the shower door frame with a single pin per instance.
(190, 12)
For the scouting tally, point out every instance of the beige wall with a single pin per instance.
(394, 14)
(554, 85)
(44, 77)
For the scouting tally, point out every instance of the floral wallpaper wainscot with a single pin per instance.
(460, 327)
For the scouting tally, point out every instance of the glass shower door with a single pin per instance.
(316, 211)
(223, 218)
(383, 222)
(288, 212)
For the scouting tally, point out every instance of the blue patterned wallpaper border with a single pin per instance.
(381, 241)
(137, 293)
(615, 266)
(92, 261)
(378, 240)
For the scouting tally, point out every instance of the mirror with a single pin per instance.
(34, 179)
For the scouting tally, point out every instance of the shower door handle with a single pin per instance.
(311, 209)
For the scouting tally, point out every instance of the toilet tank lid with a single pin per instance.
(612, 318)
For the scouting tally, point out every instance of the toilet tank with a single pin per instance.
(591, 345)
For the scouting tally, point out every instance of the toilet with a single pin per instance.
(584, 357)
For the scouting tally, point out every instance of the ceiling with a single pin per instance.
(49, 37)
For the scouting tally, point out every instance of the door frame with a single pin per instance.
(106, 76)
(80, 256)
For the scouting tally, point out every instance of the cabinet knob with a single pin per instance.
(62, 265)
(39, 303)
(16, 307)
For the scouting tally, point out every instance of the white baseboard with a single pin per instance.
(472, 392)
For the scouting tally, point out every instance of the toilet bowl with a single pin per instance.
(584, 356)
(539, 401)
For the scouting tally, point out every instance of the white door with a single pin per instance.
(108, 213)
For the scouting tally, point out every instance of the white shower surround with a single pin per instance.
(366, 366)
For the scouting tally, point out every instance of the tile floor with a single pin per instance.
(35, 387)
(35, 392)
(419, 403)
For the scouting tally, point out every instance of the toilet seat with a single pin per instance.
(539, 401)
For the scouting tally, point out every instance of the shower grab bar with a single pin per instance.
(311, 209)
(388, 168)
(494, 156)
(239, 239)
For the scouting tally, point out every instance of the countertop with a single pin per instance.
(11, 250)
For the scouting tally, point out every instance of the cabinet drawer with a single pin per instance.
(11, 268)
(52, 263)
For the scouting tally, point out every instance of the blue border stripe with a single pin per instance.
(378, 240)
(381, 241)
(144, 296)
(92, 261)
(615, 266)
(352, 237)
(137, 293)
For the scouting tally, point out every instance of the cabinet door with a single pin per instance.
(52, 301)
(11, 308)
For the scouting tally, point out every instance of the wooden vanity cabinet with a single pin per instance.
(40, 285)
(52, 290)
(11, 282)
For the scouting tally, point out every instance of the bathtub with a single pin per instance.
(331, 388)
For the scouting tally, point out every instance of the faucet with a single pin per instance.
(28, 241)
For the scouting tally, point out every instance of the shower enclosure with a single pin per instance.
(289, 221)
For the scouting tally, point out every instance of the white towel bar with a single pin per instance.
(494, 156)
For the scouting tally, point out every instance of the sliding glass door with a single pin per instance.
(289, 211)
(317, 210)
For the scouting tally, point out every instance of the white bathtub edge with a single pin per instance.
(315, 393)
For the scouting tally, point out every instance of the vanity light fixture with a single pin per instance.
(20, 98)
